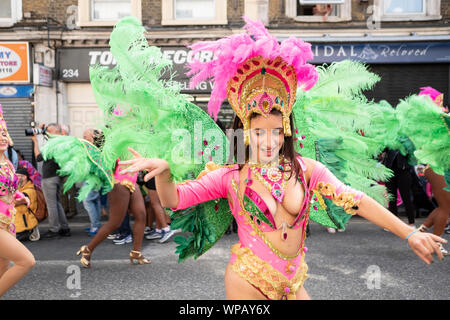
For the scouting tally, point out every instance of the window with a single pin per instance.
(407, 10)
(5, 8)
(109, 10)
(181, 12)
(106, 12)
(199, 9)
(10, 12)
(404, 6)
(319, 11)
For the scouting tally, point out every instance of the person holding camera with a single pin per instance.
(51, 187)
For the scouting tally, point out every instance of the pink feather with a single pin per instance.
(230, 52)
(433, 93)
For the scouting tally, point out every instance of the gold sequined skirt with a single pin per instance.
(268, 280)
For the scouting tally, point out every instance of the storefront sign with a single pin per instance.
(74, 65)
(16, 91)
(407, 52)
(43, 76)
(14, 62)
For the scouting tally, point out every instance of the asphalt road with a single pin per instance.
(362, 263)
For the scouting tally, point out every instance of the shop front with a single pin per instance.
(16, 93)
(83, 111)
(404, 66)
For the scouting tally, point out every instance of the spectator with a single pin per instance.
(402, 181)
(123, 234)
(51, 187)
(25, 221)
(163, 232)
(68, 199)
(92, 201)
(33, 174)
(11, 154)
(65, 130)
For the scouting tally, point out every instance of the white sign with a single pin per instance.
(43, 76)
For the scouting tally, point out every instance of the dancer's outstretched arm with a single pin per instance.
(158, 168)
(424, 245)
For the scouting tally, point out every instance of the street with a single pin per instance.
(364, 262)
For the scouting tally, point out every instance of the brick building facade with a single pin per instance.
(406, 42)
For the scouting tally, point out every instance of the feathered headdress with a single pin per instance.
(436, 96)
(255, 72)
(3, 126)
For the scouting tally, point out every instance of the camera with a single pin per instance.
(33, 131)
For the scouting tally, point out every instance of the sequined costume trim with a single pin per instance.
(127, 183)
(344, 199)
(7, 220)
(266, 278)
(260, 233)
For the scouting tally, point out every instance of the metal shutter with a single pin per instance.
(18, 115)
(401, 80)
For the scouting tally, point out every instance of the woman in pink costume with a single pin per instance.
(270, 191)
(10, 248)
(124, 196)
(438, 218)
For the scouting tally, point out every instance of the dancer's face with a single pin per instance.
(3, 141)
(266, 137)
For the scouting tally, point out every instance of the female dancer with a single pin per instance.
(268, 262)
(125, 195)
(271, 190)
(10, 248)
(438, 218)
(269, 193)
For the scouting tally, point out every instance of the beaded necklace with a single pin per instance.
(273, 178)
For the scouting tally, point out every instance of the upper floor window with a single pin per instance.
(180, 12)
(106, 12)
(407, 10)
(198, 9)
(10, 12)
(319, 10)
(404, 6)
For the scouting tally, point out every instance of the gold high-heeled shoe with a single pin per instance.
(137, 255)
(85, 256)
(422, 228)
(444, 252)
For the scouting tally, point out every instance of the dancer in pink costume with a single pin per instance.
(10, 248)
(270, 191)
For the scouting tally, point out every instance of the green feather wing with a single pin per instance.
(150, 115)
(79, 161)
(428, 129)
(330, 119)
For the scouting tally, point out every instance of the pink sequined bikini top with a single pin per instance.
(257, 207)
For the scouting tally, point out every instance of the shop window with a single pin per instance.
(407, 10)
(106, 12)
(319, 11)
(10, 12)
(182, 12)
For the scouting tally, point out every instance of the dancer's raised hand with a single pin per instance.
(153, 166)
